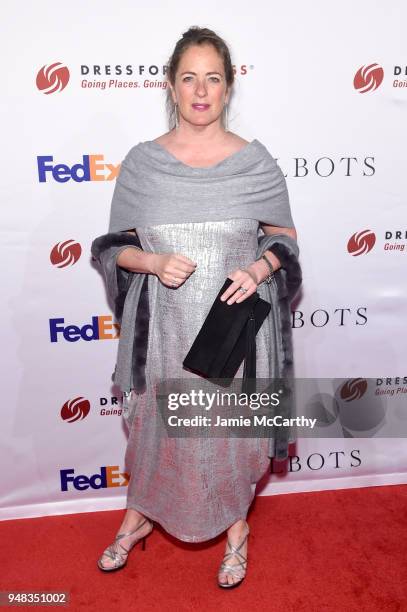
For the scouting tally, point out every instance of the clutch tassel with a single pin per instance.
(249, 369)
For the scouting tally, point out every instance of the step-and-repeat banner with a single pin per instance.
(325, 89)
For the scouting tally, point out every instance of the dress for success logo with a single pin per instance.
(75, 409)
(361, 242)
(353, 389)
(52, 78)
(368, 78)
(65, 253)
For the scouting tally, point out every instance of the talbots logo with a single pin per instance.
(353, 389)
(368, 78)
(75, 409)
(52, 78)
(92, 168)
(109, 477)
(65, 253)
(101, 328)
(361, 242)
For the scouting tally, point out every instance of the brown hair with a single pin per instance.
(196, 36)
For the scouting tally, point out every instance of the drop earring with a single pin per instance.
(226, 121)
(176, 116)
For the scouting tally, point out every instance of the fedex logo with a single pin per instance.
(101, 328)
(109, 477)
(92, 168)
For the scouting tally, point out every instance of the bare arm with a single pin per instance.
(171, 268)
(135, 259)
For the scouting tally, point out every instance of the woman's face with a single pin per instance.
(200, 79)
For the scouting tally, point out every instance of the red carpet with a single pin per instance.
(330, 551)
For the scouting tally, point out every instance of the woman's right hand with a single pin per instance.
(172, 269)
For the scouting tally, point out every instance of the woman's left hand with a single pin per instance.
(241, 278)
(249, 279)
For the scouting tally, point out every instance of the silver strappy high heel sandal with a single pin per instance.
(118, 553)
(237, 570)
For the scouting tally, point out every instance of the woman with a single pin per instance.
(189, 209)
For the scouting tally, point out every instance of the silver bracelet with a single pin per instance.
(271, 274)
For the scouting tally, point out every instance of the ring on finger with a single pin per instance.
(243, 289)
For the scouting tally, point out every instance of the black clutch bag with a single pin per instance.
(227, 336)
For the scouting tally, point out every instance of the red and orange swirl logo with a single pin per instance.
(368, 78)
(52, 78)
(75, 409)
(361, 242)
(353, 389)
(65, 253)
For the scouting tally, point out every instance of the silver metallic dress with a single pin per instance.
(194, 487)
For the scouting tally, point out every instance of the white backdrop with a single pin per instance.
(318, 85)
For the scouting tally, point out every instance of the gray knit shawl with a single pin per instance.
(155, 188)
